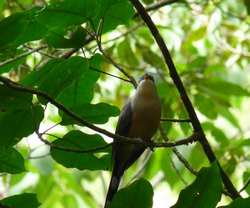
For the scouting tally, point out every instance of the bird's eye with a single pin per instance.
(146, 77)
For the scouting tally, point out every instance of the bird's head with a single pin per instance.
(146, 86)
(146, 77)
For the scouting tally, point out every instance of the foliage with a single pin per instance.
(75, 52)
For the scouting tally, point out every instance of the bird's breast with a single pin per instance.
(146, 118)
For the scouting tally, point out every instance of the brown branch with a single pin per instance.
(183, 94)
(186, 141)
(70, 113)
(157, 5)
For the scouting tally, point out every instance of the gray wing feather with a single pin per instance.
(125, 120)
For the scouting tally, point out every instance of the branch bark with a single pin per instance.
(183, 94)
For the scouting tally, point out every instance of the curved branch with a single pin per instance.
(183, 94)
(70, 113)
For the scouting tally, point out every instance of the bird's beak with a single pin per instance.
(146, 77)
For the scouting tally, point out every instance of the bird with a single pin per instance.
(139, 118)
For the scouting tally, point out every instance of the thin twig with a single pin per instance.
(98, 39)
(42, 53)
(178, 154)
(176, 120)
(142, 167)
(184, 161)
(178, 172)
(112, 75)
(183, 95)
(245, 186)
(157, 5)
(53, 126)
(76, 150)
(21, 56)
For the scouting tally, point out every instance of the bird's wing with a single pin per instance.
(125, 120)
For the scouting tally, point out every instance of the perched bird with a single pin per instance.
(139, 118)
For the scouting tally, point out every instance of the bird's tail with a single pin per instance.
(113, 186)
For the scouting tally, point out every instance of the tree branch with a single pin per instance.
(116, 137)
(183, 94)
(158, 5)
(21, 56)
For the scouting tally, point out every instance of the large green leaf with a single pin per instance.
(26, 200)
(204, 192)
(81, 90)
(204, 103)
(12, 99)
(247, 4)
(246, 178)
(57, 75)
(18, 123)
(76, 38)
(81, 161)
(94, 113)
(224, 88)
(126, 53)
(113, 13)
(60, 15)
(8, 54)
(138, 194)
(15, 30)
(11, 161)
(239, 203)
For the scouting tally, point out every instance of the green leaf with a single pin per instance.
(69, 200)
(81, 90)
(138, 194)
(247, 4)
(204, 192)
(113, 13)
(62, 14)
(94, 113)
(75, 40)
(11, 161)
(197, 34)
(203, 103)
(228, 115)
(224, 87)
(246, 178)
(217, 133)
(12, 99)
(126, 53)
(57, 75)
(15, 30)
(79, 140)
(26, 200)
(239, 203)
(9, 54)
(18, 123)
(152, 58)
